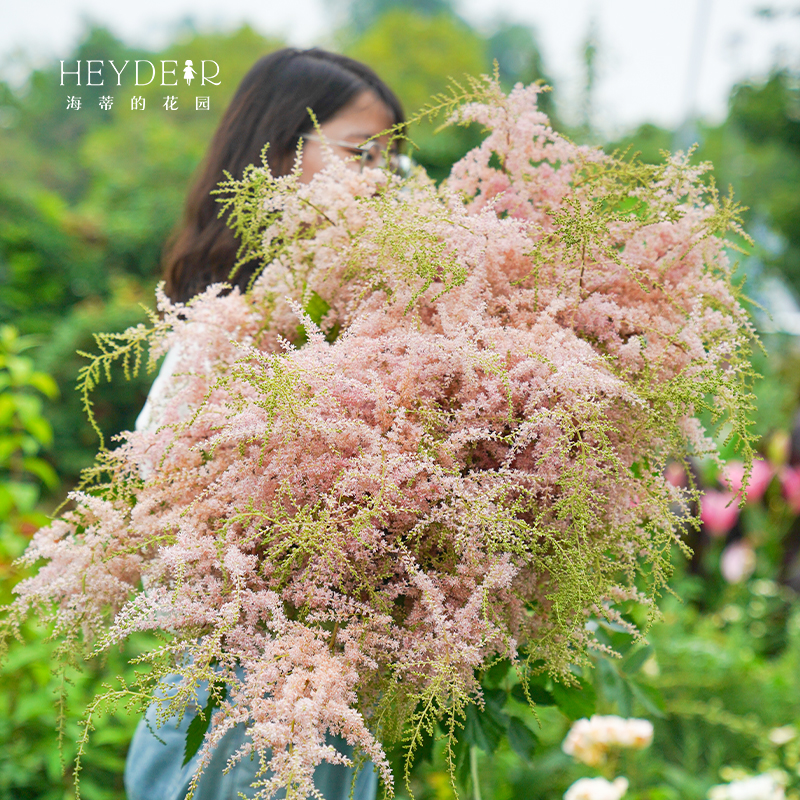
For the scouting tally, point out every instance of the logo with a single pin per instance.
(143, 72)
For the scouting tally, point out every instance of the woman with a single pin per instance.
(351, 106)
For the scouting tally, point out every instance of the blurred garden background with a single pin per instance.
(87, 200)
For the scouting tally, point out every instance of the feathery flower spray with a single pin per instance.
(430, 436)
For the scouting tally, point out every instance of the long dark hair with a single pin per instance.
(270, 105)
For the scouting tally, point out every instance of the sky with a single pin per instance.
(658, 60)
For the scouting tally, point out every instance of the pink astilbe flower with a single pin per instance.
(432, 435)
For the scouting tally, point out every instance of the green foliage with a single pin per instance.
(756, 150)
(114, 408)
(32, 708)
(769, 111)
(768, 162)
(196, 731)
(362, 15)
(415, 55)
(32, 705)
(24, 434)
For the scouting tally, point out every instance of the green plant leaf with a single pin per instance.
(521, 738)
(485, 728)
(196, 731)
(316, 308)
(650, 698)
(575, 701)
(537, 693)
(633, 663)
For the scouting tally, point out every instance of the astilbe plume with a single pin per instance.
(431, 435)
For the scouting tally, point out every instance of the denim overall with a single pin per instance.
(153, 770)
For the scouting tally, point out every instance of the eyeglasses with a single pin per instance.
(370, 155)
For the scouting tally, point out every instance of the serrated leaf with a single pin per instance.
(521, 738)
(539, 695)
(484, 728)
(495, 699)
(575, 701)
(497, 672)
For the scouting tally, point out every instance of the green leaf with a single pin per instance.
(485, 728)
(633, 663)
(196, 731)
(24, 495)
(539, 695)
(522, 739)
(39, 428)
(44, 383)
(496, 674)
(575, 701)
(316, 308)
(42, 470)
(651, 699)
(625, 698)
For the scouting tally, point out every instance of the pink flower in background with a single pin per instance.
(676, 474)
(738, 561)
(718, 511)
(760, 477)
(790, 480)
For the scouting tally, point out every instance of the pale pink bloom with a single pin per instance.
(583, 745)
(761, 475)
(340, 518)
(597, 789)
(738, 561)
(638, 734)
(718, 511)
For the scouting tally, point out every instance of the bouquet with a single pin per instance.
(431, 436)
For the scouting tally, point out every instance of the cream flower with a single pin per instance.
(597, 789)
(760, 787)
(589, 740)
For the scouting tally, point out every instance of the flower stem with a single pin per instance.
(473, 771)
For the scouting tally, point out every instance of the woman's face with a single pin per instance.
(363, 117)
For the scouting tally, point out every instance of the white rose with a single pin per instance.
(761, 787)
(596, 789)
(639, 733)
